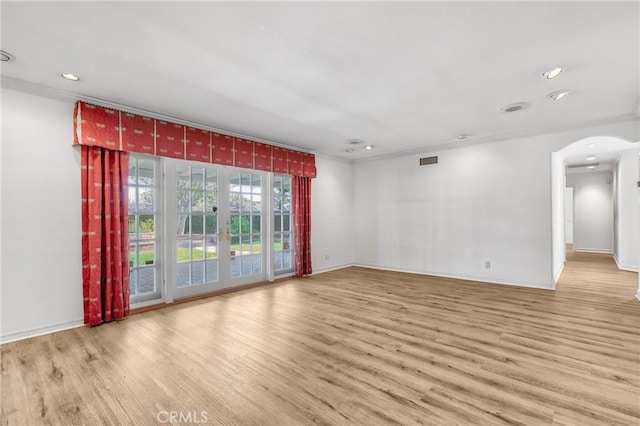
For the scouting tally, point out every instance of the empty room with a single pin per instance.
(340, 213)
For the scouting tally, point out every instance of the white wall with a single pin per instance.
(593, 211)
(568, 215)
(41, 281)
(628, 210)
(557, 216)
(486, 202)
(332, 234)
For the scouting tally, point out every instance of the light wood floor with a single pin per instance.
(354, 346)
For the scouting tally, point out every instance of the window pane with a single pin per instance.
(246, 266)
(146, 226)
(133, 259)
(183, 271)
(197, 201)
(183, 225)
(277, 261)
(277, 222)
(197, 249)
(235, 200)
(146, 280)
(133, 167)
(211, 268)
(183, 251)
(133, 205)
(211, 225)
(146, 199)
(286, 241)
(146, 172)
(257, 184)
(211, 202)
(256, 245)
(132, 226)
(133, 282)
(236, 263)
(256, 264)
(286, 222)
(197, 225)
(197, 178)
(197, 273)
(146, 253)
(277, 242)
(211, 180)
(256, 227)
(286, 259)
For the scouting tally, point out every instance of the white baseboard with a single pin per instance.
(556, 278)
(638, 295)
(332, 268)
(502, 281)
(624, 267)
(587, 250)
(40, 331)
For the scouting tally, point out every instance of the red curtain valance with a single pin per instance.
(123, 131)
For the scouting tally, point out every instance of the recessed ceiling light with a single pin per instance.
(552, 73)
(369, 147)
(591, 167)
(348, 150)
(70, 76)
(6, 56)
(518, 106)
(591, 157)
(462, 136)
(559, 94)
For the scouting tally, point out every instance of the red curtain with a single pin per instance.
(105, 266)
(301, 191)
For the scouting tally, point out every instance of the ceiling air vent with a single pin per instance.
(428, 160)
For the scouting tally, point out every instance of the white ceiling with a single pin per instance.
(401, 76)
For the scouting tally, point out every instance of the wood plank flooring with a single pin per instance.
(354, 346)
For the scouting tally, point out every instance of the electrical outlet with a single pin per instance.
(487, 264)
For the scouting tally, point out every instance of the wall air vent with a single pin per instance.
(428, 160)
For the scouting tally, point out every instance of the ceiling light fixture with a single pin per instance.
(70, 76)
(552, 73)
(6, 56)
(369, 147)
(591, 167)
(591, 157)
(348, 150)
(462, 136)
(559, 94)
(517, 106)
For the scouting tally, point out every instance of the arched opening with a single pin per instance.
(601, 173)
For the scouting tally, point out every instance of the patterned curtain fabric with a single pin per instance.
(123, 131)
(105, 266)
(301, 191)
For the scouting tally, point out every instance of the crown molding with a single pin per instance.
(72, 97)
(498, 137)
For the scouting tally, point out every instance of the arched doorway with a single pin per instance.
(615, 162)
